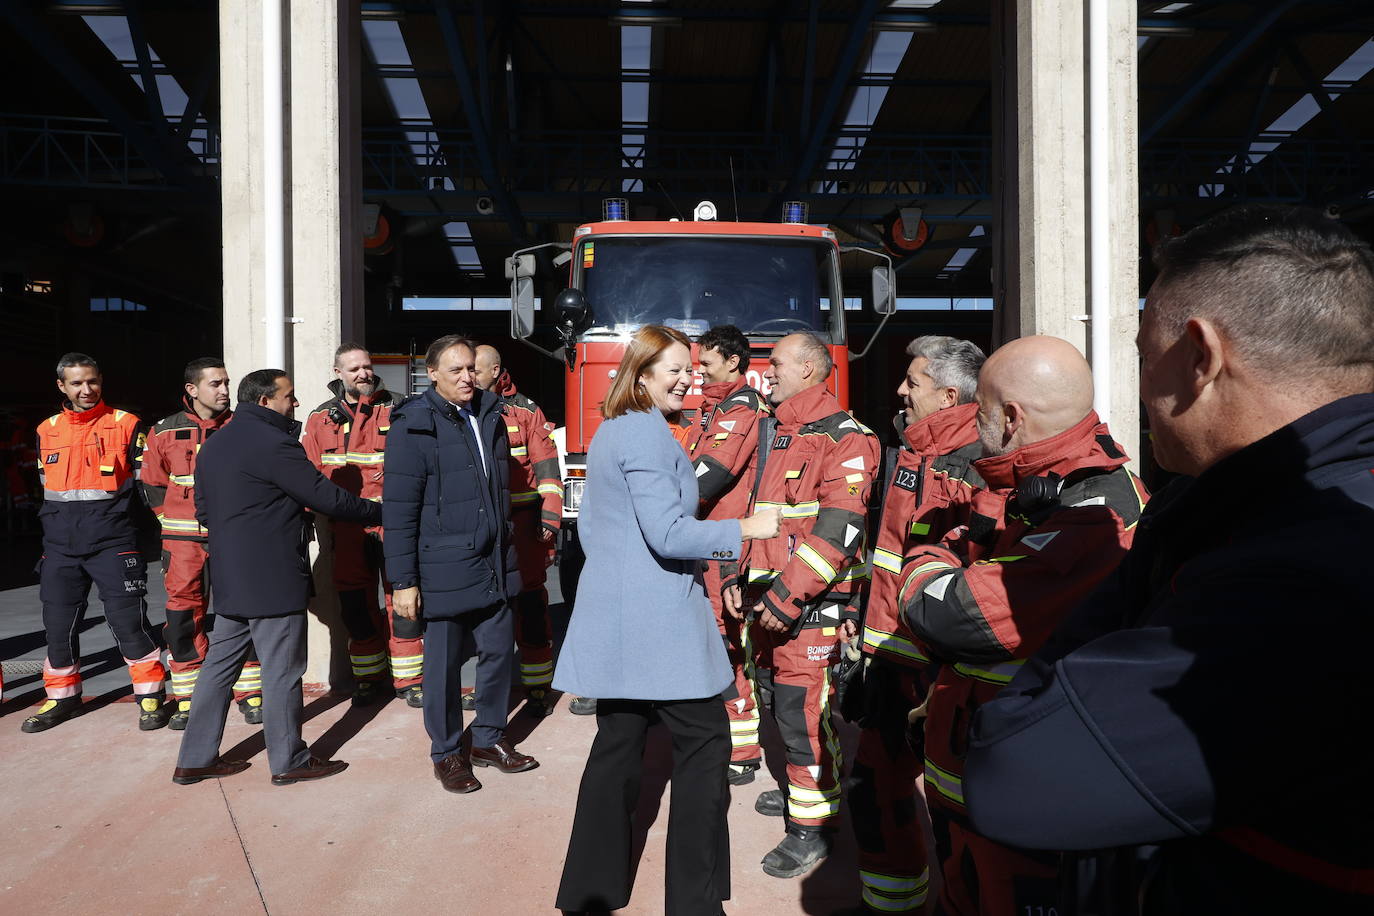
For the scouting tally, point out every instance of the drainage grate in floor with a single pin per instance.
(22, 668)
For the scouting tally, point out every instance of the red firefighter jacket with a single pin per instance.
(818, 472)
(347, 442)
(724, 448)
(169, 471)
(929, 495)
(1056, 519)
(535, 479)
(88, 463)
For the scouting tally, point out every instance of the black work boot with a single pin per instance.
(53, 712)
(365, 693)
(537, 702)
(772, 803)
(469, 700)
(413, 695)
(181, 717)
(153, 711)
(798, 853)
(251, 707)
(741, 774)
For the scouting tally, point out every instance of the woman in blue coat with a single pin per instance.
(644, 642)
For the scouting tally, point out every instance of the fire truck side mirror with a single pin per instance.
(520, 265)
(522, 307)
(884, 296)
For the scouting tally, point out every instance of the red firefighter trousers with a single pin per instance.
(883, 802)
(375, 633)
(802, 696)
(186, 577)
(741, 699)
(533, 631)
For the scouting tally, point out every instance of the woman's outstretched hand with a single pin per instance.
(761, 525)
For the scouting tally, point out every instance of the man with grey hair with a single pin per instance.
(929, 492)
(1142, 722)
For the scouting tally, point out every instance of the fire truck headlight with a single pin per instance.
(572, 492)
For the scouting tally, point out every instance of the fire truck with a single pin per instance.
(767, 279)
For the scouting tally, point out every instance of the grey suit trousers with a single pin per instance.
(280, 642)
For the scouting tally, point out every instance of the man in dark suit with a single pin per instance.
(252, 481)
(446, 512)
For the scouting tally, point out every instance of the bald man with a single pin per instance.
(536, 498)
(1057, 516)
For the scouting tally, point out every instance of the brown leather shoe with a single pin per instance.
(504, 757)
(186, 776)
(314, 768)
(456, 775)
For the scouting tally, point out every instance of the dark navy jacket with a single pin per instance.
(1214, 696)
(252, 480)
(447, 523)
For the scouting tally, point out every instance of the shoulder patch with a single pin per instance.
(1116, 490)
(1039, 541)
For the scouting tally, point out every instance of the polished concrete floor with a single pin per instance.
(94, 823)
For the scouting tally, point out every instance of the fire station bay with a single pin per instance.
(465, 237)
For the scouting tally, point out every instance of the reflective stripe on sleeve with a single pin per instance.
(888, 561)
(183, 480)
(1001, 673)
(891, 642)
(808, 555)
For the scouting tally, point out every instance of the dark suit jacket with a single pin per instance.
(252, 482)
(447, 522)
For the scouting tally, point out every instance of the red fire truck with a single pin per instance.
(767, 279)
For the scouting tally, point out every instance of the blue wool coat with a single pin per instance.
(642, 628)
(447, 524)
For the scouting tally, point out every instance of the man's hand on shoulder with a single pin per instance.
(406, 602)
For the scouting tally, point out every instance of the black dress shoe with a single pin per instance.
(455, 775)
(186, 776)
(504, 757)
(314, 768)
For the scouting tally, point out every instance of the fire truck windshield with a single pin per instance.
(765, 287)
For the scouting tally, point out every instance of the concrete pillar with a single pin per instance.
(1040, 184)
(321, 47)
(241, 191)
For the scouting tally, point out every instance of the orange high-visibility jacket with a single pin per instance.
(88, 462)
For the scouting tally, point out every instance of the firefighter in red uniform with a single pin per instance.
(88, 454)
(168, 478)
(536, 500)
(1057, 516)
(345, 438)
(724, 449)
(801, 584)
(929, 490)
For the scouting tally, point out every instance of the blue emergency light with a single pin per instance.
(615, 208)
(794, 211)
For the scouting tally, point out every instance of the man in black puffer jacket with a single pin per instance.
(1209, 698)
(450, 556)
(253, 481)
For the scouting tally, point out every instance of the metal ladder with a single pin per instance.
(418, 379)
